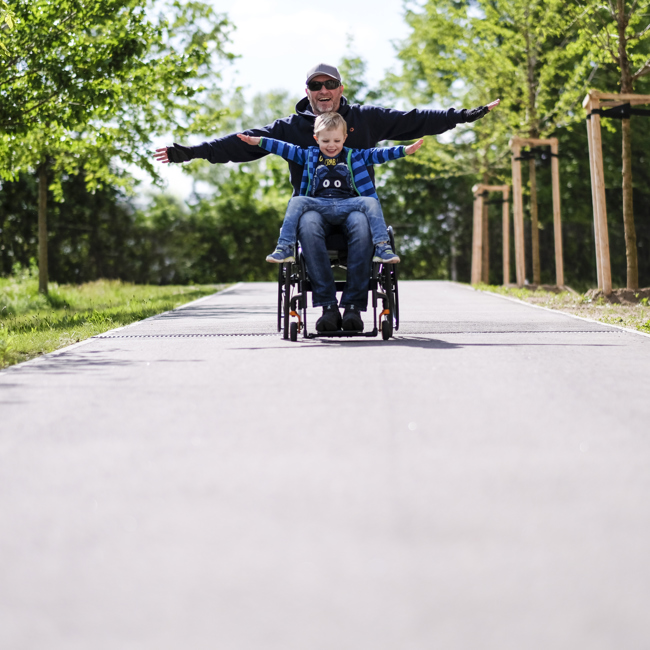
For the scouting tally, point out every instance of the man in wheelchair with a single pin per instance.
(335, 185)
(367, 125)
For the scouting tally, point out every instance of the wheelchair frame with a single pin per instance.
(294, 286)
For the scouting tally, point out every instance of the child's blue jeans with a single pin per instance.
(333, 208)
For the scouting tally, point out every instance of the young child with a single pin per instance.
(335, 180)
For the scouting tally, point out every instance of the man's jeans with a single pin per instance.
(333, 208)
(313, 228)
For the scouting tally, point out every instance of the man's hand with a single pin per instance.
(161, 155)
(249, 139)
(412, 148)
(477, 113)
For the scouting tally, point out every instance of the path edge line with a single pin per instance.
(556, 311)
(74, 346)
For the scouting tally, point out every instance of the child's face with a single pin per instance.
(330, 141)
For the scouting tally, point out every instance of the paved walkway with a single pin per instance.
(194, 481)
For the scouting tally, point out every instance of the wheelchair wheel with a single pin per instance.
(287, 297)
(386, 329)
(302, 288)
(395, 290)
(280, 290)
(293, 331)
(396, 299)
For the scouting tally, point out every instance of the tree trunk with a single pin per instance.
(626, 136)
(42, 229)
(534, 222)
(628, 209)
(533, 132)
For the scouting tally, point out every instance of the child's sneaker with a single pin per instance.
(281, 254)
(384, 254)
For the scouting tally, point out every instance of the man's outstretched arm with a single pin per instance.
(389, 124)
(221, 150)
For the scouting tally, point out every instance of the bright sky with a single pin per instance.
(279, 40)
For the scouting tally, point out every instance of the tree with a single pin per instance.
(99, 84)
(474, 51)
(6, 20)
(614, 34)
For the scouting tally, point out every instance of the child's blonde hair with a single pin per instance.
(330, 122)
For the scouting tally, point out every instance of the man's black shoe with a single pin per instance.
(352, 319)
(330, 321)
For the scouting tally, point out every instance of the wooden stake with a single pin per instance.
(477, 236)
(557, 218)
(518, 214)
(486, 246)
(600, 213)
(594, 202)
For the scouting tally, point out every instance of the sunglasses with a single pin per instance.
(330, 84)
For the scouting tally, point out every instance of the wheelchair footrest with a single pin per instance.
(341, 334)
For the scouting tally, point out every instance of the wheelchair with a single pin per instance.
(294, 287)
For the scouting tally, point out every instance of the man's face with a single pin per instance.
(323, 100)
(330, 141)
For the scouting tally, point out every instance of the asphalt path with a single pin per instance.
(193, 481)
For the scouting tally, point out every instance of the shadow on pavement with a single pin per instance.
(410, 342)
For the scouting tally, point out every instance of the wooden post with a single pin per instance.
(505, 219)
(485, 274)
(594, 203)
(557, 219)
(518, 213)
(477, 235)
(598, 194)
(518, 209)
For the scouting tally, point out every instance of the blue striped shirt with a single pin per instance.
(357, 161)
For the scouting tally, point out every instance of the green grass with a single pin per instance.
(631, 316)
(32, 324)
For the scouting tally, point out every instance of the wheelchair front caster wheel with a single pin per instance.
(293, 332)
(386, 329)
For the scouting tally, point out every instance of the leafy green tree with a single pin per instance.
(473, 51)
(239, 210)
(615, 36)
(6, 20)
(97, 86)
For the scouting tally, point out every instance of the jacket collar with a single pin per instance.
(303, 108)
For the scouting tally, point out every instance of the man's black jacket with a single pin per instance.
(367, 125)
